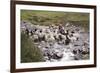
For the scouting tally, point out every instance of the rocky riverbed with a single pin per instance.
(56, 49)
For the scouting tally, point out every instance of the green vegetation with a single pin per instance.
(85, 57)
(52, 17)
(29, 52)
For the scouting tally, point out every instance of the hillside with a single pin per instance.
(55, 18)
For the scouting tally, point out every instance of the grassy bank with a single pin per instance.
(29, 52)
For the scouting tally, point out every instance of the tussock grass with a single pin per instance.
(29, 52)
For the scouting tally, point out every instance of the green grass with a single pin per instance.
(52, 17)
(29, 52)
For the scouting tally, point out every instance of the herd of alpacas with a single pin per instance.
(59, 43)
